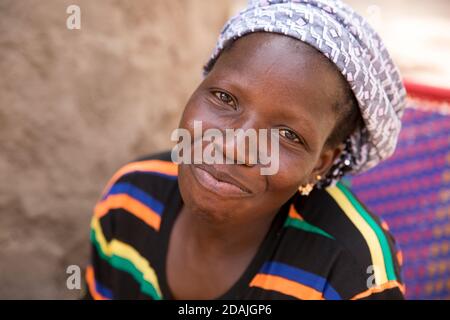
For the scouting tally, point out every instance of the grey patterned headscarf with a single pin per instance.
(345, 38)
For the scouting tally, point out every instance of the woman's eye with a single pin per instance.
(226, 98)
(288, 134)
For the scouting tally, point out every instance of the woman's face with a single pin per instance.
(265, 81)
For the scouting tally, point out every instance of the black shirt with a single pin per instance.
(326, 245)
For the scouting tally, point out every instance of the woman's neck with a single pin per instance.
(226, 237)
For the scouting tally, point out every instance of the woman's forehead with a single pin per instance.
(280, 69)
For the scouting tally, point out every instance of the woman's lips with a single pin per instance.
(213, 181)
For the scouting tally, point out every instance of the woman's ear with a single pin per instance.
(325, 161)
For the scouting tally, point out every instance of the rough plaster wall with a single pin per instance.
(74, 106)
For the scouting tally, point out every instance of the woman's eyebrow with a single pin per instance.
(233, 81)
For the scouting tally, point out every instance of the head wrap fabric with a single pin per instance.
(346, 39)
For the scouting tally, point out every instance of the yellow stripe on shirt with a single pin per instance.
(120, 250)
(367, 232)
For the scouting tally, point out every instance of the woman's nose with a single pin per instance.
(241, 146)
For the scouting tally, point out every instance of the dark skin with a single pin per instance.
(264, 81)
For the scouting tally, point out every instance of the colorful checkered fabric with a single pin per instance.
(411, 192)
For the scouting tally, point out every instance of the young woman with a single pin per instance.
(319, 74)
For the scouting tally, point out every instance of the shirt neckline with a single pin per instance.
(264, 251)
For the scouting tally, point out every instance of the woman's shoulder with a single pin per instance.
(152, 173)
(339, 212)
(127, 226)
(350, 243)
(142, 187)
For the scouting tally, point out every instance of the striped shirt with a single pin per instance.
(324, 246)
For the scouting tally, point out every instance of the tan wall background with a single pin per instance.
(76, 104)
